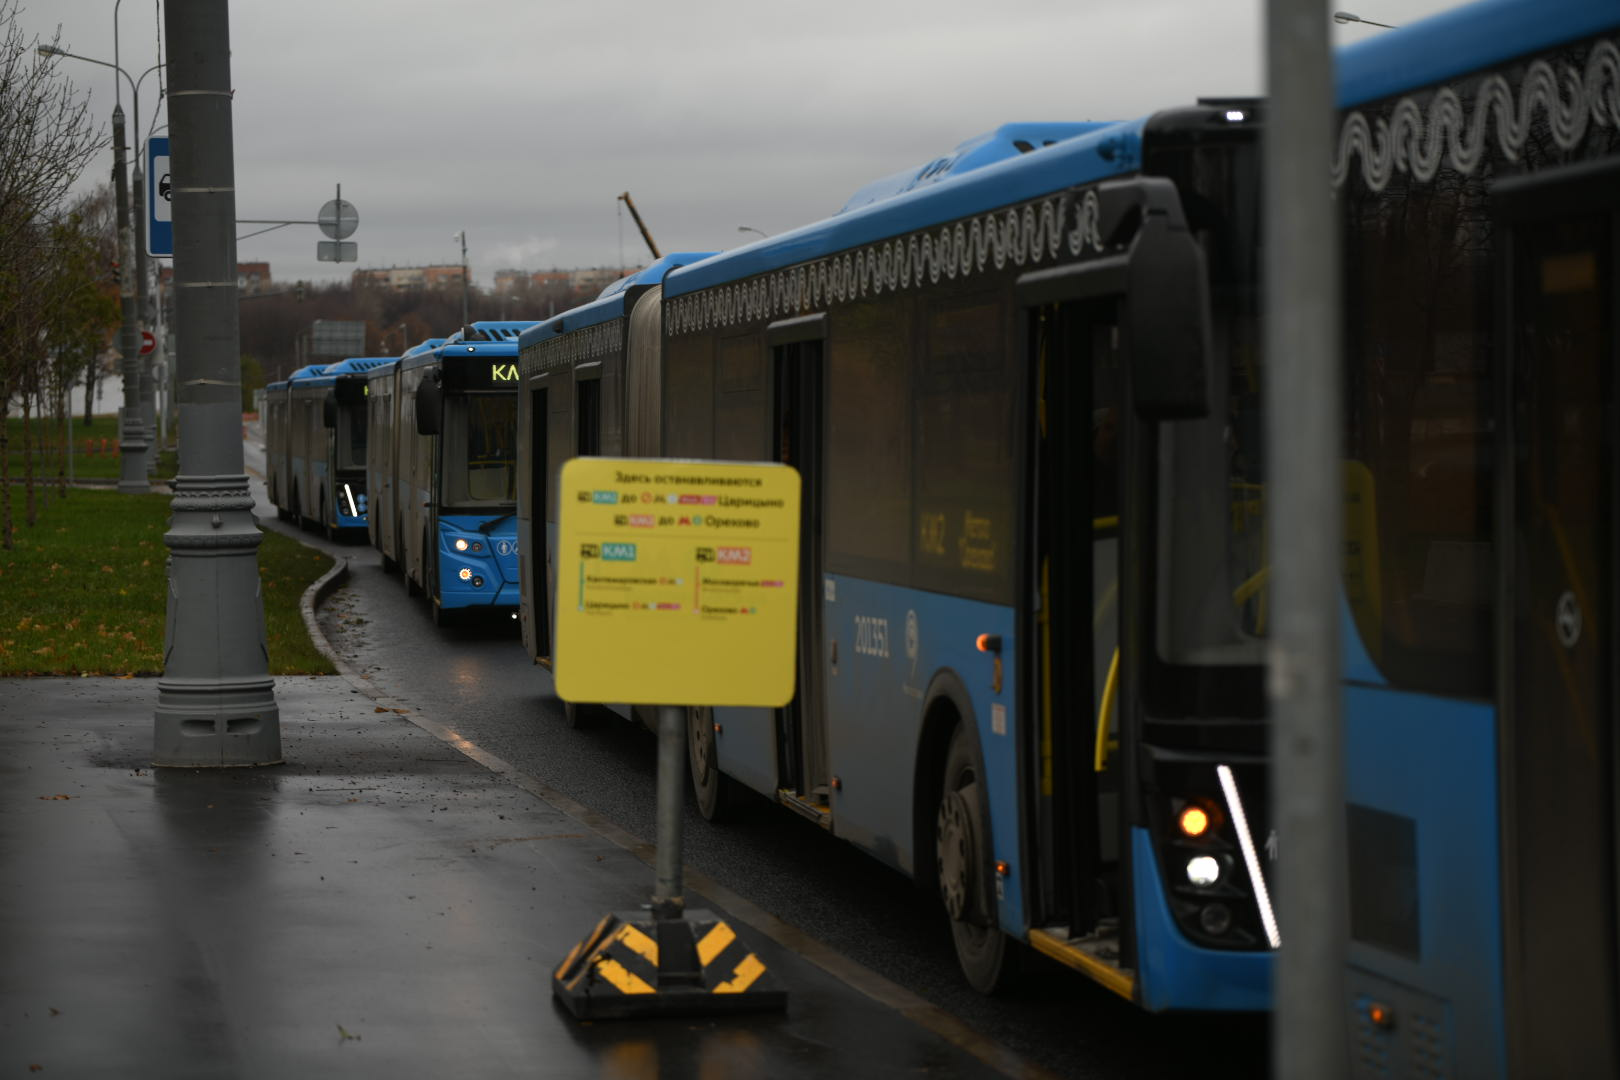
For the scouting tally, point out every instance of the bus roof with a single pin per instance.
(1006, 142)
(609, 304)
(494, 330)
(308, 371)
(1461, 40)
(1101, 151)
(357, 364)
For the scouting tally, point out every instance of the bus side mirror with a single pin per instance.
(429, 404)
(1167, 314)
(329, 409)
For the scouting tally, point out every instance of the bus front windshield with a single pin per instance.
(1212, 559)
(480, 449)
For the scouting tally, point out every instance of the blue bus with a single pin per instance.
(1021, 386)
(447, 478)
(315, 445)
(286, 466)
(589, 386)
(1478, 175)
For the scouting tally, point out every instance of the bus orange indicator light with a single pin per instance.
(989, 643)
(1381, 1015)
(1002, 868)
(1194, 820)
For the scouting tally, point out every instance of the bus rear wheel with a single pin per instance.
(962, 854)
(709, 784)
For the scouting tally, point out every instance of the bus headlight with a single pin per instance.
(461, 544)
(1203, 870)
(465, 575)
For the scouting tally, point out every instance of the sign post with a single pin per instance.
(677, 585)
(338, 219)
(159, 199)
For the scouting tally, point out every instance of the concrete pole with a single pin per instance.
(1304, 497)
(216, 700)
(132, 444)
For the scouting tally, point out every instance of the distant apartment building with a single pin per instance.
(402, 278)
(587, 282)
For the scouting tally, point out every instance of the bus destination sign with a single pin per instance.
(677, 582)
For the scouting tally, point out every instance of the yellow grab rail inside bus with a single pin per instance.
(1104, 744)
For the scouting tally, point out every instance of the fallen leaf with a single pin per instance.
(53, 798)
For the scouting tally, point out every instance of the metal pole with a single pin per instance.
(1310, 1035)
(216, 700)
(148, 386)
(131, 439)
(464, 323)
(667, 901)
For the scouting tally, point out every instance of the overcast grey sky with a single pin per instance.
(520, 121)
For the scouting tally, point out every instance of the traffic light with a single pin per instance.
(299, 292)
(116, 271)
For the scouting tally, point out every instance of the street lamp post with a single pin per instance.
(134, 443)
(462, 236)
(216, 699)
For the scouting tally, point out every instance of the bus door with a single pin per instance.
(1557, 637)
(798, 377)
(537, 563)
(1076, 424)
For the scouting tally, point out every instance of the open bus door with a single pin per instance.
(797, 350)
(1076, 458)
(1559, 606)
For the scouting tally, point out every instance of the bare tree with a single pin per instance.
(47, 139)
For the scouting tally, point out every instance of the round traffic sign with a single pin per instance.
(148, 342)
(338, 218)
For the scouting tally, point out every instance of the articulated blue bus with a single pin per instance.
(315, 445)
(445, 482)
(1478, 175)
(589, 387)
(1021, 386)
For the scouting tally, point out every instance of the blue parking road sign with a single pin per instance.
(159, 207)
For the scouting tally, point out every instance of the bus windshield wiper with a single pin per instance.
(489, 525)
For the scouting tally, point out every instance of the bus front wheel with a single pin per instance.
(962, 853)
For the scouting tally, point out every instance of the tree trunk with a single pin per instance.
(91, 370)
(64, 406)
(5, 467)
(29, 515)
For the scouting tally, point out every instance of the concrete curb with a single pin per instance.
(318, 591)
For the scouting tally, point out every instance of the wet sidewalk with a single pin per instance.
(382, 905)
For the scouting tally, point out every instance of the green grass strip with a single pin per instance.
(95, 451)
(84, 591)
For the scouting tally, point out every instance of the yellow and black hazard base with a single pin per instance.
(635, 965)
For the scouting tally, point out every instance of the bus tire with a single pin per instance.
(711, 786)
(962, 855)
(578, 716)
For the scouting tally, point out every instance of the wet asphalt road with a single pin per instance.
(475, 678)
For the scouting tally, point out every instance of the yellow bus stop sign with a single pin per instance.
(677, 582)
